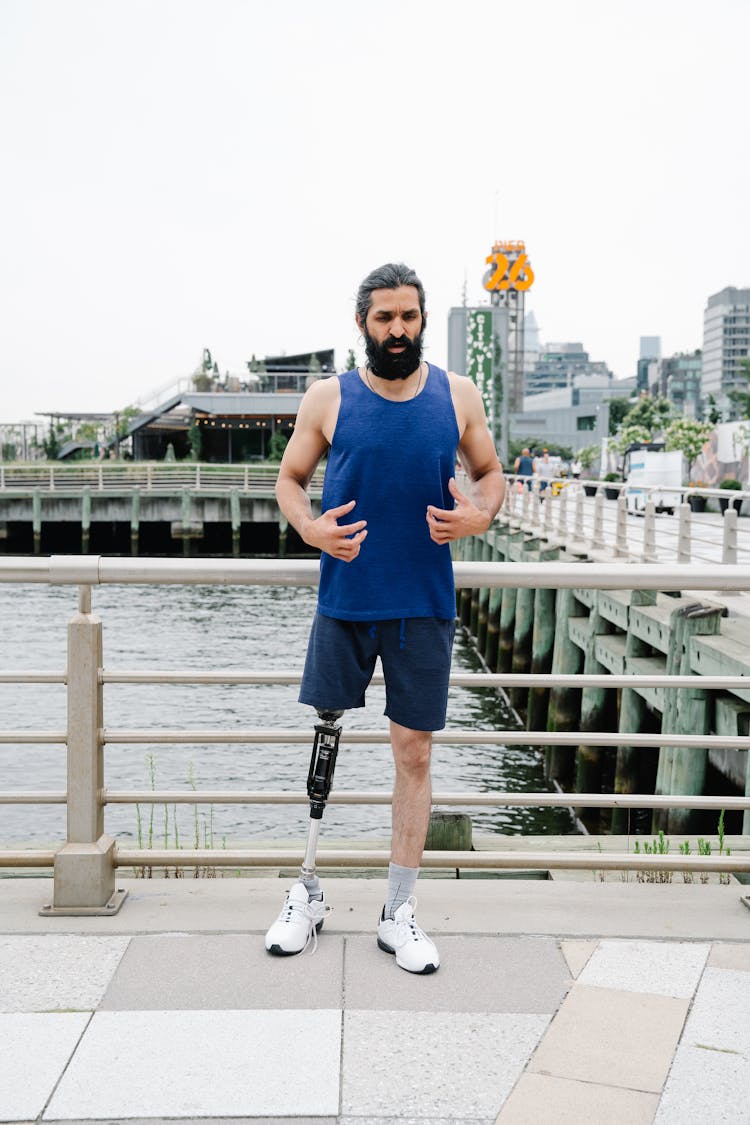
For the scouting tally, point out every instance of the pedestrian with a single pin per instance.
(524, 467)
(575, 468)
(390, 510)
(545, 470)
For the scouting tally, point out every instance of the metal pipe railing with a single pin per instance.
(85, 865)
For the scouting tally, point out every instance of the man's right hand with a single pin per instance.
(340, 541)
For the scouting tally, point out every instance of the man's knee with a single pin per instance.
(412, 749)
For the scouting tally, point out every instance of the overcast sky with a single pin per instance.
(181, 174)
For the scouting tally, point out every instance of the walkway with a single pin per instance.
(555, 1002)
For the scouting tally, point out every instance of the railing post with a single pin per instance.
(51, 479)
(684, 545)
(562, 514)
(621, 532)
(197, 477)
(149, 469)
(101, 478)
(536, 515)
(578, 517)
(246, 481)
(597, 539)
(729, 541)
(84, 866)
(649, 532)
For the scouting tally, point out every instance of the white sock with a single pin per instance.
(401, 884)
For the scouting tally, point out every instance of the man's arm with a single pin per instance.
(316, 420)
(471, 515)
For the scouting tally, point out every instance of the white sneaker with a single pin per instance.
(298, 923)
(401, 935)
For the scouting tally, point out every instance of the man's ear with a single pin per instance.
(358, 322)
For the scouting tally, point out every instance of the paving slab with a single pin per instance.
(706, 1087)
(720, 1015)
(413, 1121)
(616, 1038)
(544, 1100)
(665, 968)
(477, 974)
(577, 954)
(182, 971)
(434, 1064)
(730, 955)
(194, 1064)
(56, 972)
(34, 1050)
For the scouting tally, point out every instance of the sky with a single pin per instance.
(183, 174)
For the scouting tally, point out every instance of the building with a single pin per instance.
(560, 365)
(680, 382)
(726, 342)
(574, 416)
(478, 346)
(647, 370)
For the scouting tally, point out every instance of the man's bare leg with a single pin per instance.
(412, 794)
(398, 931)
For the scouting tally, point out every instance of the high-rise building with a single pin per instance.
(561, 365)
(726, 341)
(680, 382)
(647, 371)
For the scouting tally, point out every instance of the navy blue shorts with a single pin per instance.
(416, 656)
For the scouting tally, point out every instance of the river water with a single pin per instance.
(243, 629)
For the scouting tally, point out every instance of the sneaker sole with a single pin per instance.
(416, 972)
(279, 952)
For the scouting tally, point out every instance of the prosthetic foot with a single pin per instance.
(302, 917)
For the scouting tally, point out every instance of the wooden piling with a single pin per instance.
(542, 643)
(234, 508)
(483, 598)
(36, 519)
(564, 708)
(630, 771)
(524, 629)
(85, 520)
(494, 606)
(597, 713)
(135, 520)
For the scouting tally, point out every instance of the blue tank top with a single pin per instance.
(393, 458)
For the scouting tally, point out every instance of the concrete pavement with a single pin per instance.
(555, 1002)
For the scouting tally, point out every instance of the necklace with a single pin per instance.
(369, 384)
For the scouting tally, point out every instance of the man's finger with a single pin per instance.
(350, 528)
(341, 510)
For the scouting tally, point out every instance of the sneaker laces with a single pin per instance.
(410, 922)
(310, 913)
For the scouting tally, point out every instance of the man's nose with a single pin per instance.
(397, 328)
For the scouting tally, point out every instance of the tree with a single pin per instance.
(51, 444)
(619, 408)
(652, 414)
(740, 399)
(714, 414)
(202, 382)
(351, 360)
(629, 435)
(277, 446)
(689, 436)
(195, 440)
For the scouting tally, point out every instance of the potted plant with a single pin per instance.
(697, 503)
(612, 493)
(731, 484)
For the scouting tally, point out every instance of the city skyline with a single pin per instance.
(187, 175)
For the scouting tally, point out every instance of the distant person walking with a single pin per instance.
(524, 467)
(545, 471)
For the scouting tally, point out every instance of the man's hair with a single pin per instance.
(389, 276)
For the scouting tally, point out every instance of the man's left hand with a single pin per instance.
(465, 519)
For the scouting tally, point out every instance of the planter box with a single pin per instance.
(697, 503)
(735, 501)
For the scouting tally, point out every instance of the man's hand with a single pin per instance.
(465, 519)
(341, 542)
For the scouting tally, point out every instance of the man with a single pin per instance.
(524, 466)
(545, 470)
(390, 509)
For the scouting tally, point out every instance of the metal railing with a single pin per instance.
(84, 867)
(601, 516)
(157, 476)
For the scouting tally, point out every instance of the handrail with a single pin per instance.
(87, 734)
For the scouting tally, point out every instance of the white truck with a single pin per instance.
(645, 467)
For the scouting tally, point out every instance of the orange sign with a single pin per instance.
(512, 267)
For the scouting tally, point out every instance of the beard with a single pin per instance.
(392, 367)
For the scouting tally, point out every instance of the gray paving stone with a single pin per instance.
(199, 1064)
(34, 1050)
(224, 971)
(720, 1016)
(414, 1121)
(56, 972)
(434, 1064)
(664, 968)
(706, 1087)
(477, 974)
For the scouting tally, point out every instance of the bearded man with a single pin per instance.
(390, 510)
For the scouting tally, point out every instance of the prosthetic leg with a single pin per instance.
(301, 917)
(319, 778)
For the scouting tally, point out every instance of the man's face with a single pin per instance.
(393, 332)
